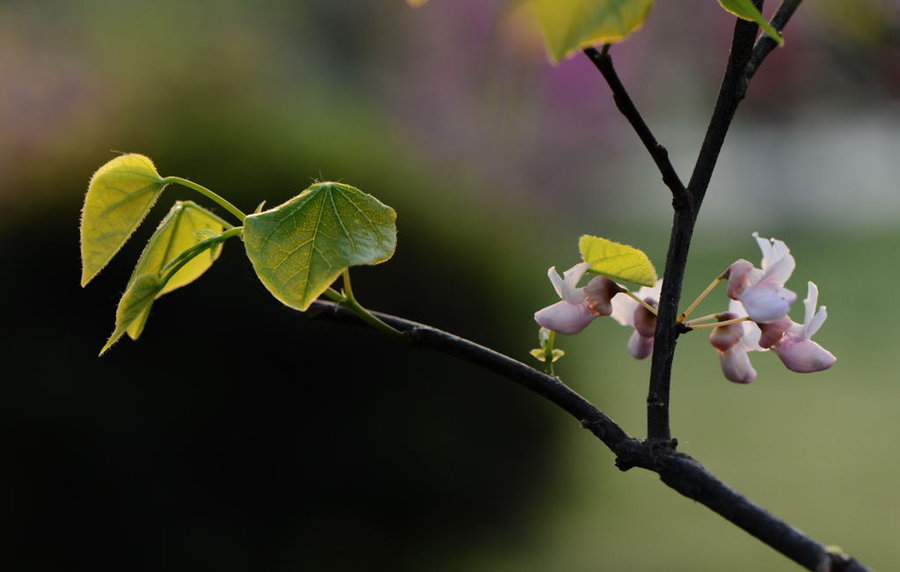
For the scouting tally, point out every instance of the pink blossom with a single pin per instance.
(728, 342)
(796, 350)
(761, 290)
(578, 307)
(628, 312)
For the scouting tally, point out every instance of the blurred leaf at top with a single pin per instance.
(570, 25)
(300, 247)
(746, 10)
(119, 196)
(616, 261)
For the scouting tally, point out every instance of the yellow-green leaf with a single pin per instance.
(186, 224)
(119, 196)
(570, 25)
(745, 9)
(299, 248)
(134, 305)
(618, 262)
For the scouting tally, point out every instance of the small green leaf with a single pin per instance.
(119, 196)
(570, 25)
(299, 248)
(618, 262)
(184, 226)
(134, 306)
(746, 10)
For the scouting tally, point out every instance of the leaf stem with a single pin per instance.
(705, 318)
(717, 324)
(699, 299)
(174, 265)
(548, 354)
(637, 299)
(348, 300)
(215, 197)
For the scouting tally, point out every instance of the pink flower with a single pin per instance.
(628, 312)
(796, 350)
(762, 291)
(729, 344)
(736, 365)
(578, 307)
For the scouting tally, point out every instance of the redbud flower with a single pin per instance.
(728, 342)
(628, 312)
(762, 291)
(578, 307)
(796, 350)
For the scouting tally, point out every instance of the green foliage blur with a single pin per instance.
(238, 435)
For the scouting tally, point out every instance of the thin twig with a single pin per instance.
(660, 155)
(667, 331)
(677, 470)
(549, 387)
(765, 44)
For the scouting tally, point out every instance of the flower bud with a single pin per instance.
(736, 365)
(639, 346)
(598, 293)
(645, 320)
(723, 338)
(738, 275)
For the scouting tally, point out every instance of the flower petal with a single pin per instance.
(724, 338)
(565, 317)
(738, 277)
(623, 309)
(803, 356)
(736, 365)
(638, 346)
(599, 293)
(767, 302)
(772, 332)
(644, 320)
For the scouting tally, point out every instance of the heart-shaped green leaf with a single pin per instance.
(618, 262)
(299, 248)
(134, 306)
(570, 25)
(119, 196)
(746, 10)
(184, 226)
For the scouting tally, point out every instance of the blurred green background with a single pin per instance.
(239, 435)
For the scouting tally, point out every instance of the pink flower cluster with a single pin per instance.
(757, 318)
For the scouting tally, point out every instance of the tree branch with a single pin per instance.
(677, 470)
(603, 62)
(765, 44)
(730, 95)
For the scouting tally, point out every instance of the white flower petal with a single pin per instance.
(623, 309)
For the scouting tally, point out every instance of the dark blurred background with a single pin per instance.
(237, 434)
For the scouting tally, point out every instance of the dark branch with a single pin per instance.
(549, 387)
(677, 470)
(623, 101)
(731, 93)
